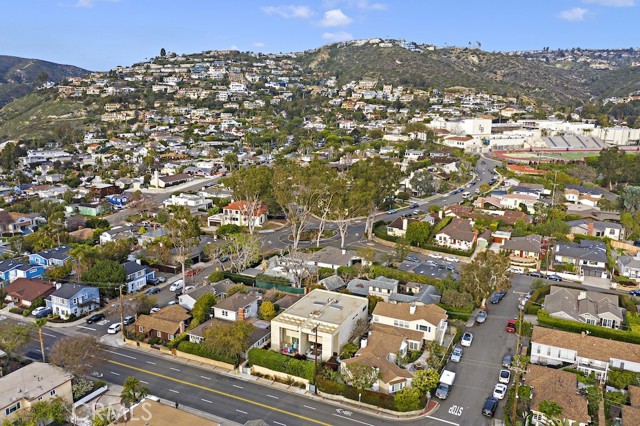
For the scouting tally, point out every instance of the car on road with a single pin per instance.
(453, 259)
(490, 406)
(507, 360)
(173, 302)
(516, 270)
(95, 318)
(435, 255)
(467, 338)
(511, 326)
(154, 310)
(499, 391)
(498, 296)
(176, 285)
(39, 310)
(635, 292)
(189, 288)
(504, 376)
(153, 290)
(554, 277)
(536, 274)
(97, 374)
(128, 320)
(414, 206)
(392, 211)
(416, 212)
(412, 259)
(114, 328)
(481, 318)
(224, 259)
(456, 355)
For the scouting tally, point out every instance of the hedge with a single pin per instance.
(578, 327)
(537, 297)
(627, 303)
(380, 231)
(367, 396)
(206, 352)
(237, 278)
(404, 276)
(465, 253)
(179, 339)
(282, 363)
(456, 313)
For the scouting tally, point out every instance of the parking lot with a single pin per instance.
(434, 268)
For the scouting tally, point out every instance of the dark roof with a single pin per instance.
(236, 301)
(175, 178)
(459, 229)
(531, 243)
(584, 190)
(58, 253)
(68, 290)
(585, 250)
(9, 264)
(132, 267)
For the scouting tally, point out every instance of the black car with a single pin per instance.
(152, 291)
(95, 318)
(153, 281)
(224, 259)
(495, 298)
(414, 206)
(534, 274)
(490, 407)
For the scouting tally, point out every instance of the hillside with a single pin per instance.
(20, 76)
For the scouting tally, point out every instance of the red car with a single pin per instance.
(511, 326)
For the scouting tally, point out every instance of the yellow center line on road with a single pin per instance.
(228, 395)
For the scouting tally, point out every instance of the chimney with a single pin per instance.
(582, 295)
(412, 309)
(241, 314)
(590, 228)
(139, 262)
(363, 343)
(182, 327)
(344, 251)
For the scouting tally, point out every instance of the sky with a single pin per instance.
(101, 34)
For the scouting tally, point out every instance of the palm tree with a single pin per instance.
(132, 391)
(41, 322)
(84, 256)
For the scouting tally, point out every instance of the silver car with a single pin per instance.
(482, 317)
(456, 355)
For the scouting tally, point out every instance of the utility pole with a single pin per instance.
(517, 378)
(122, 315)
(315, 370)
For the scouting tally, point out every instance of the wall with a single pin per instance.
(166, 351)
(281, 376)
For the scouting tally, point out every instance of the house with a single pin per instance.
(524, 251)
(458, 234)
(166, 181)
(137, 276)
(118, 200)
(32, 383)
(52, 257)
(73, 299)
(430, 320)
(117, 233)
(578, 194)
(593, 213)
(14, 223)
(237, 213)
(237, 307)
(398, 228)
(164, 325)
(10, 269)
(333, 258)
(23, 292)
(91, 209)
(191, 201)
(628, 414)
(330, 316)
(629, 266)
(586, 353)
(592, 228)
(188, 300)
(260, 335)
(585, 306)
(588, 257)
(382, 287)
(549, 384)
(380, 349)
(333, 283)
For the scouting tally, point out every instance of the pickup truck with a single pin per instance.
(446, 382)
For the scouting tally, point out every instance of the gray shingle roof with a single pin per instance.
(68, 290)
(585, 250)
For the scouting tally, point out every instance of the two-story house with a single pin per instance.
(382, 287)
(524, 251)
(191, 201)
(588, 257)
(7, 270)
(14, 223)
(237, 213)
(578, 194)
(593, 228)
(629, 266)
(237, 307)
(586, 353)
(117, 233)
(52, 257)
(137, 275)
(430, 320)
(73, 299)
(589, 307)
(458, 234)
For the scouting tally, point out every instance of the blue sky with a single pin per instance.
(100, 34)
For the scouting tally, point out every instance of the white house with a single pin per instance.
(237, 307)
(458, 234)
(430, 320)
(193, 202)
(237, 213)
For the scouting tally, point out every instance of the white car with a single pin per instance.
(467, 338)
(456, 355)
(499, 391)
(189, 288)
(504, 376)
(452, 259)
(114, 328)
(435, 255)
(176, 285)
(154, 310)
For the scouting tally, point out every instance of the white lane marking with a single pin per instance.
(113, 372)
(86, 328)
(311, 408)
(278, 423)
(116, 353)
(142, 381)
(205, 377)
(271, 396)
(206, 400)
(240, 411)
(174, 391)
(239, 387)
(151, 362)
(353, 420)
(174, 369)
(443, 421)
(50, 335)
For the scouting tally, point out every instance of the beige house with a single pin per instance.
(30, 384)
(332, 316)
(430, 320)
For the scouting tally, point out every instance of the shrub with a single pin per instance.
(621, 379)
(214, 277)
(348, 350)
(282, 363)
(578, 327)
(173, 344)
(627, 303)
(205, 352)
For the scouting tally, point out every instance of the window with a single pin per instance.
(376, 318)
(159, 333)
(424, 328)
(140, 329)
(12, 408)
(52, 392)
(171, 337)
(414, 346)
(225, 313)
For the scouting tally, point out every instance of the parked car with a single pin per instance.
(43, 313)
(499, 391)
(414, 206)
(467, 338)
(128, 320)
(416, 212)
(154, 310)
(456, 355)
(482, 317)
(635, 292)
(490, 406)
(554, 277)
(504, 376)
(453, 259)
(431, 263)
(412, 259)
(37, 310)
(448, 266)
(224, 259)
(161, 279)
(153, 281)
(507, 360)
(95, 318)
(435, 255)
(189, 288)
(153, 290)
(176, 285)
(392, 211)
(536, 274)
(114, 328)
(511, 326)
(516, 270)
(173, 302)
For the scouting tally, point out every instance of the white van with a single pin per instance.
(466, 194)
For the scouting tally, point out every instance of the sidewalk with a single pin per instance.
(116, 341)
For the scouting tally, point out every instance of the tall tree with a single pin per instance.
(242, 250)
(488, 272)
(40, 323)
(610, 164)
(229, 339)
(425, 380)
(83, 256)
(132, 391)
(630, 199)
(13, 337)
(253, 187)
(202, 309)
(331, 190)
(74, 353)
(230, 161)
(374, 181)
(183, 232)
